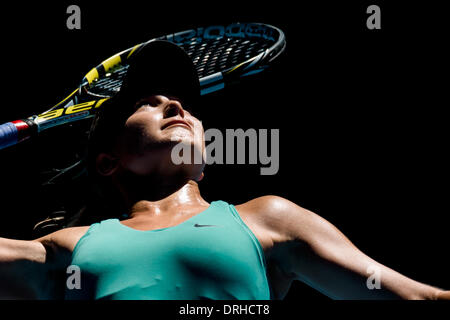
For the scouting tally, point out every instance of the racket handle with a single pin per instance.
(14, 132)
(8, 135)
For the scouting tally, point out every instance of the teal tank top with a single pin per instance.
(212, 255)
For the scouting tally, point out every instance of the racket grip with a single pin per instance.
(9, 135)
(14, 132)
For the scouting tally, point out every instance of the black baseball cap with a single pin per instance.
(160, 67)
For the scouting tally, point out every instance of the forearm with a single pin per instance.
(377, 281)
(443, 295)
(351, 275)
(401, 285)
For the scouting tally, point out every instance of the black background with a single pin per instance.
(361, 113)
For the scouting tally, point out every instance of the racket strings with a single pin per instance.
(109, 84)
(215, 55)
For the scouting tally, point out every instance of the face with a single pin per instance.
(158, 124)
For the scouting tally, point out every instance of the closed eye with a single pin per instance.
(140, 104)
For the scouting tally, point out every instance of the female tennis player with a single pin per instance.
(172, 244)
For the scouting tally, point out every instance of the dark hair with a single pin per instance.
(102, 200)
(105, 129)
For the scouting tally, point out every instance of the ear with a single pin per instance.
(106, 164)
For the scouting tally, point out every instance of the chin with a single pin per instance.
(182, 135)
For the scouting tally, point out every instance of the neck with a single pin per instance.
(154, 194)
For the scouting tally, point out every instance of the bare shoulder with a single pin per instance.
(65, 239)
(273, 216)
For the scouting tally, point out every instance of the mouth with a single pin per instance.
(176, 123)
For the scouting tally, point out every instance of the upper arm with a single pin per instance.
(22, 268)
(36, 269)
(311, 249)
(22, 250)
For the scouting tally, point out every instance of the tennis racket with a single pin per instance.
(222, 54)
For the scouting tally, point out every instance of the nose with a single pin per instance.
(173, 108)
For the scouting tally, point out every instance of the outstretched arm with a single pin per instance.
(22, 268)
(36, 269)
(309, 248)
